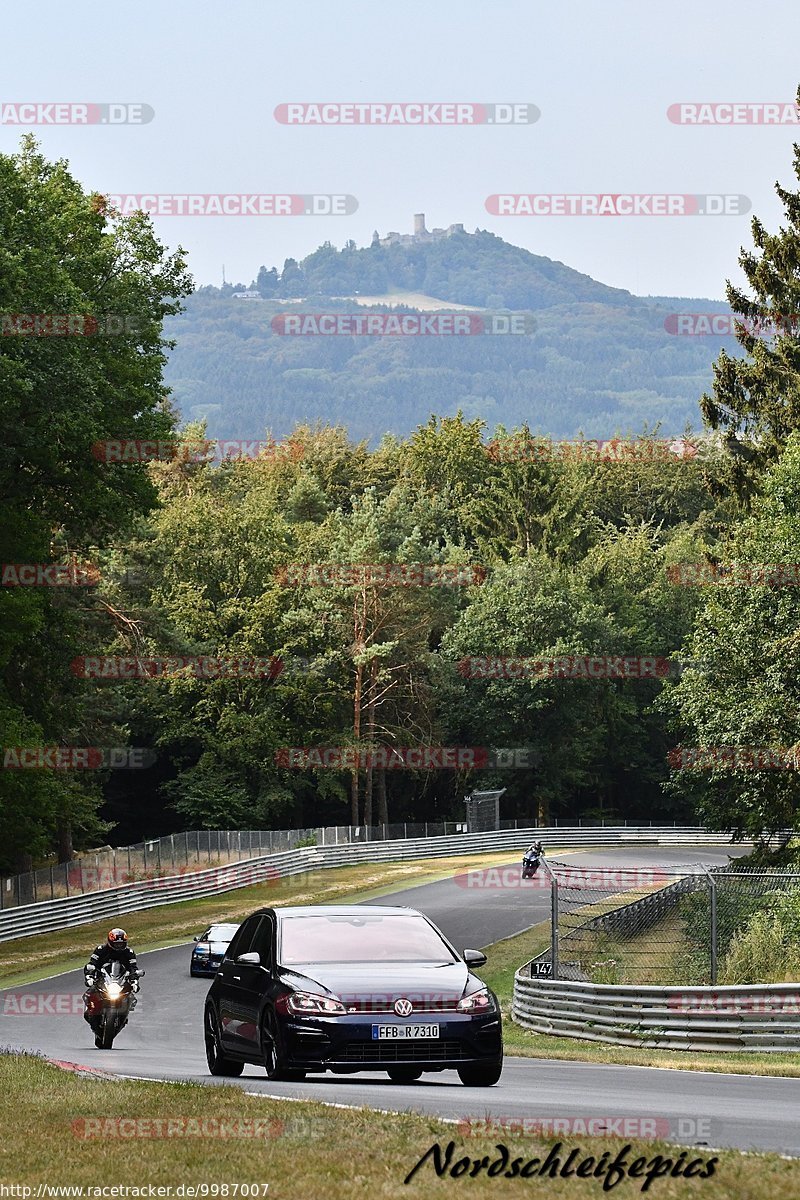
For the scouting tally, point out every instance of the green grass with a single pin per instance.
(507, 956)
(300, 1149)
(24, 960)
(27, 959)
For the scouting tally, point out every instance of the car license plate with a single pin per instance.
(394, 1033)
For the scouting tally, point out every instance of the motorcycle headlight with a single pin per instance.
(477, 1002)
(300, 1003)
(113, 991)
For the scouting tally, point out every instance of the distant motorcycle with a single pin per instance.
(531, 861)
(110, 998)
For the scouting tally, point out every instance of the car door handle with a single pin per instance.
(238, 978)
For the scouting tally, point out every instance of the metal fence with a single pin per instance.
(126, 896)
(668, 924)
(198, 849)
(195, 850)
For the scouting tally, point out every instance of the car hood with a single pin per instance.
(383, 982)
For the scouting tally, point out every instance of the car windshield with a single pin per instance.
(221, 933)
(361, 939)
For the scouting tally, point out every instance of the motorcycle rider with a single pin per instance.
(531, 859)
(114, 949)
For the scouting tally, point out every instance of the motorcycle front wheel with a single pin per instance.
(106, 1033)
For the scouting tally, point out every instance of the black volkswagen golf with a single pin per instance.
(351, 988)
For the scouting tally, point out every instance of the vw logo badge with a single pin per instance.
(403, 1007)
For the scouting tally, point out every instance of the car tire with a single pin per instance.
(481, 1074)
(218, 1063)
(404, 1074)
(272, 1055)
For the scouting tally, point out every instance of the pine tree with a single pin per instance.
(756, 399)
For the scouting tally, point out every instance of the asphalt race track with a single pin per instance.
(164, 1039)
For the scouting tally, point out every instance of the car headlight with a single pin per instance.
(299, 1003)
(202, 948)
(477, 1002)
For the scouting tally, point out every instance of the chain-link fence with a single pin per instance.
(194, 850)
(197, 849)
(670, 924)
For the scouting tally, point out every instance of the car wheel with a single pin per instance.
(218, 1064)
(403, 1074)
(274, 1064)
(481, 1074)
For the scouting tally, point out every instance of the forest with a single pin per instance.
(289, 637)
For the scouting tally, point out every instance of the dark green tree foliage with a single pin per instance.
(62, 254)
(744, 692)
(756, 398)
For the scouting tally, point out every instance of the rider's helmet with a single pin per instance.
(117, 939)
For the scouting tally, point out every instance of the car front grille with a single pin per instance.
(380, 1006)
(425, 1050)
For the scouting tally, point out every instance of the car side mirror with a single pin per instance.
(197, 937)
(252, 959)
(474, 958)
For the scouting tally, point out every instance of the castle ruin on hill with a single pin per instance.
(420, 234)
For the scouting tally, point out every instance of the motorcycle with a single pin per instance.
(531, 861)
(110, 998)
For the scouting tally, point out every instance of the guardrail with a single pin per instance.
(108, 866)
(758, 1017)
(48, 915)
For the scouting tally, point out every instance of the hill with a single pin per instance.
(595, 359)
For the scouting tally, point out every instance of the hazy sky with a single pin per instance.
(602, 74)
